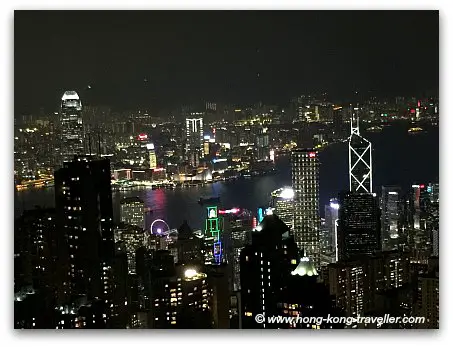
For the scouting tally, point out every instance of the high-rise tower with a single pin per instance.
(360, 163)
(194, 140)
(305, 180)
(71, 124)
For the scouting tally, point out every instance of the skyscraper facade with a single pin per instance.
(132, 211)
(84, 213)
(282, 203)
(194, 140)
(358, 225)
(360, 160)
(305, 181)
(390, 217)
(71, 123)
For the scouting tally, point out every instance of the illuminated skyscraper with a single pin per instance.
(390, 217)
(358, 225)
(71, 124)
(194, 140)
(360, 163)
(282, 202)
(331, 218)
(132, 211)
(212, 237)
(305, 180)
(152, 156)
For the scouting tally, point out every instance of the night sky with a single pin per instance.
(165, 58)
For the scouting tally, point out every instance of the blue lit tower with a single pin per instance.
(360, 164)
(71, 125)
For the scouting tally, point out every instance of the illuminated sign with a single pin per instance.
(218, 160)
(150, 146)
(231, 211)
(142, 137)
(422, 186)
(212, 212)
(311, 154)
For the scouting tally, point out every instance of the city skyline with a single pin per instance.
(251, 204)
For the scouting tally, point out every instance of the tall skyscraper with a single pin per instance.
(331, 218)
(305, 181)
(390, 217)
(358, 225)
(132, 211)
(84, 212)
(194, 140)
(282, 202)
(71, 125)
(360, 159)
(152, 156)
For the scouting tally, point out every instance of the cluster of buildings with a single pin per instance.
(197, 143)
(370, 255)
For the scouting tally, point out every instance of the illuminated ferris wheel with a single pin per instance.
(160, 227)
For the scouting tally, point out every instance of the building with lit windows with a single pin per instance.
(331, 222)
(180, 298)
(427, 304)
(152, 156)
(84, 212)
(71, 125)
(305, 182)
(133, 238)
(358, 225)
(238, 225)
(282, 202)
(346, 282)
(391, 214)
(132, 211)
(266, 266)
(194, 139)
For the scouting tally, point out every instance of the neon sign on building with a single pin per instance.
(213, 229)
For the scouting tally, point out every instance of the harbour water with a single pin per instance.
(398, 159)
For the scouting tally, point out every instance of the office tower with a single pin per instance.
(83, 202)
(433, 190)
(346, 283)
(331, 219)
(360, 159)
(427, 304)
(266, 266)
(282, 202)
(213, 246)
(132, 238)
(132, 211)
(358, 225)
(337, 115)
(71, 124)
(189, 246)
(262, 145)
(390, 217)
(152, 156)
(305, 181)
(194, 140)
(238, 225)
